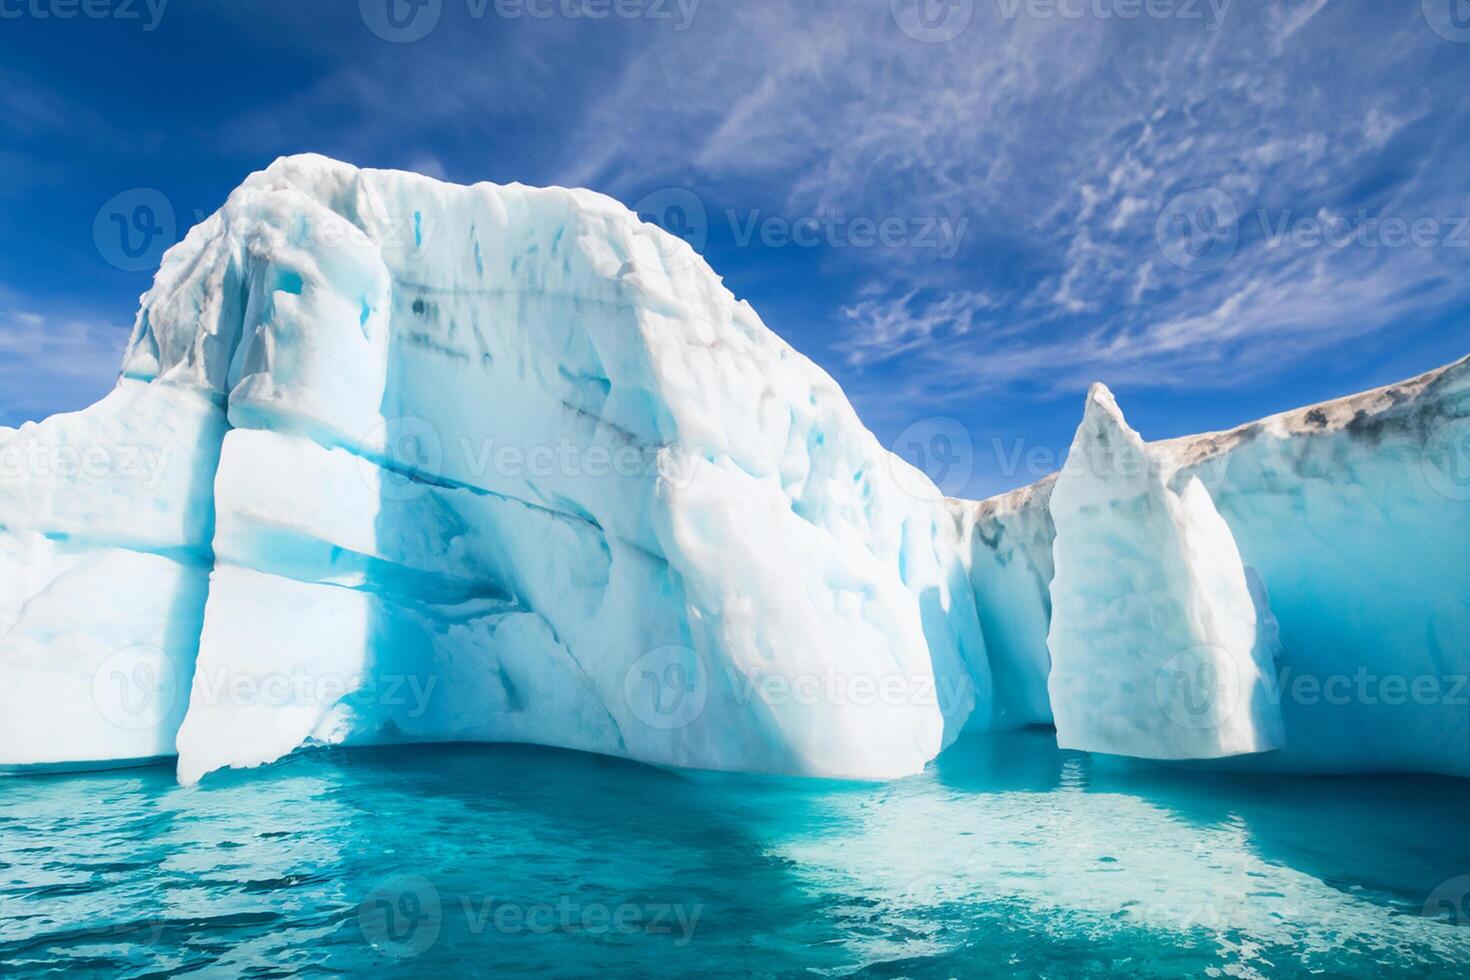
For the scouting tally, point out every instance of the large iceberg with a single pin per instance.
(502, 463)
(397, 460)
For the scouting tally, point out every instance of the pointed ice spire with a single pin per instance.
(1154, 633)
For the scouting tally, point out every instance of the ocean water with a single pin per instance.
(1006, 857)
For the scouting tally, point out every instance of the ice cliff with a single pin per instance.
(500, 463)
(1159, 649)
(1349, 523)
(397, 460)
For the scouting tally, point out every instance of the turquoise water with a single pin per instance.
(1006, 858)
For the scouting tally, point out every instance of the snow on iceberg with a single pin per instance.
(1158, 648)
(1356, 515)
(484, 462)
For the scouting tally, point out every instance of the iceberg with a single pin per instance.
(1351, 521)
(396, 460)
(105, 528)
(501, 463)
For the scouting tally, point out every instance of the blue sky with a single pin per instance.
(962, 209)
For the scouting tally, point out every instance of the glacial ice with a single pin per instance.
(478, 462)
(1159, 650)
(1356, 515)
(397, 460)
(1352, 518)
(105, 521)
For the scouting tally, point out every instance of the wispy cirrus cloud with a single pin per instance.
(886, 325)
(1061, 146)
(1066, 142)
(1062, 142)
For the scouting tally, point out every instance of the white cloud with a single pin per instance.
(884, 326)
(1061, 141)
(51, 359)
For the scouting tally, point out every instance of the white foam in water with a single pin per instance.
(1089, 858)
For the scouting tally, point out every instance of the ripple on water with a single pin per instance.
(1007, 857)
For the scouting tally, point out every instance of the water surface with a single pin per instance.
(1006, 857)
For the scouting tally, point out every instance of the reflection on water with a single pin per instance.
(1008, 857)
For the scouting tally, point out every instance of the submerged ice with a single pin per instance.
(396, 460)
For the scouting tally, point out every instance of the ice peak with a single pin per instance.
(1102, 414)
(1107, 449)
(1101, 395)
(1149, 593)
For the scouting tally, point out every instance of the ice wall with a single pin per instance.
(1007, 541)
(494, 463)
(397, 460)
(1158, 648)
(106, 517)
(1355, 516)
